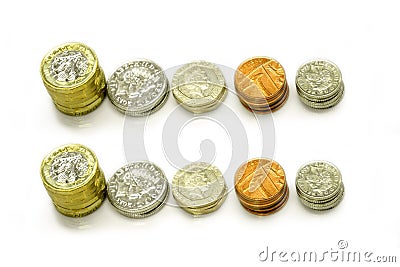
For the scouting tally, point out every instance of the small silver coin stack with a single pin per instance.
(138, 189)
(319, 84)
(138, 88)
(319, 185)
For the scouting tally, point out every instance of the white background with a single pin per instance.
(360, 135)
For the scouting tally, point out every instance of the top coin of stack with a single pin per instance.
(261, 84)
(73, 78)
(138, 189)
(319, 185)
(73, 180)
(319, 84)
(199, 188)
(138, 88)
(261, 186)
(199, 86)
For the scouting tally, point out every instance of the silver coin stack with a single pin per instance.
(319, 185)
(199, 86)
(199, 188)
(138, 88)
(138, 189)
(319, 84)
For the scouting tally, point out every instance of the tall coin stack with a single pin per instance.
(73, 180)
(261, 187)
(73, 78)
(319, 84)
(261, 85)
(138, 88)
(319, 185)
(138, 189)
(199, 188)
(199, 86)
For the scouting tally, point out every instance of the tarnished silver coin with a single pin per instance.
(319, 84)
(199, 188)
(138, 87)
(138, 189)
(319, 185)
(199, 86)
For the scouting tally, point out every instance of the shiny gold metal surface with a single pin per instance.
(73, 78)
(261, 187)
(261, 85)
(73, 180)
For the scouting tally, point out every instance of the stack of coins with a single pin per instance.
(199, 86)
(261, 85)
(319, 84)
(138, 189)
(261, 187)
(73, 78)
(199, 188)
(73, 180)
(319, 185)
(138, 88)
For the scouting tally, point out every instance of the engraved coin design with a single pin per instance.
(137, 87)
(138, 188)
(73, 180)
(199, 86)
(261, 186)
(318, 77)
(319, 84)
(319, 185)
(318, 179)
(73, 78)
(199, 188)
(68, 65)
(261, 84)
(68, 167)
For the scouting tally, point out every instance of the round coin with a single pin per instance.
(138, 188)
(137, 87)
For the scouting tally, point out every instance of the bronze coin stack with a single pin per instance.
(73, 78)
(261, 85)
(261, 187)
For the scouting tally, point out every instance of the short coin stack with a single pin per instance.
(138, 189)
(73, 78)
(199, 86)
(138, 88)
(261, 187)
(73, 180)
(261, 85)
(199, 188)
(319, 185)
(319, 84)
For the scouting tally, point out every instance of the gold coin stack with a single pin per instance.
(73, 78)
(73, 180)
(261, 186)
(261, 85)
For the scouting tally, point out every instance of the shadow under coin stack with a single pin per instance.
(261, 85)
(73, 180)
(199, 86)
(138, 189)
(199, 188)
(138, 88)
(73, 78)
(319, 185)
(261, 187)
(319, 84)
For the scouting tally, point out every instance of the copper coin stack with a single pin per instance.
(261, 187)
(261, 85)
